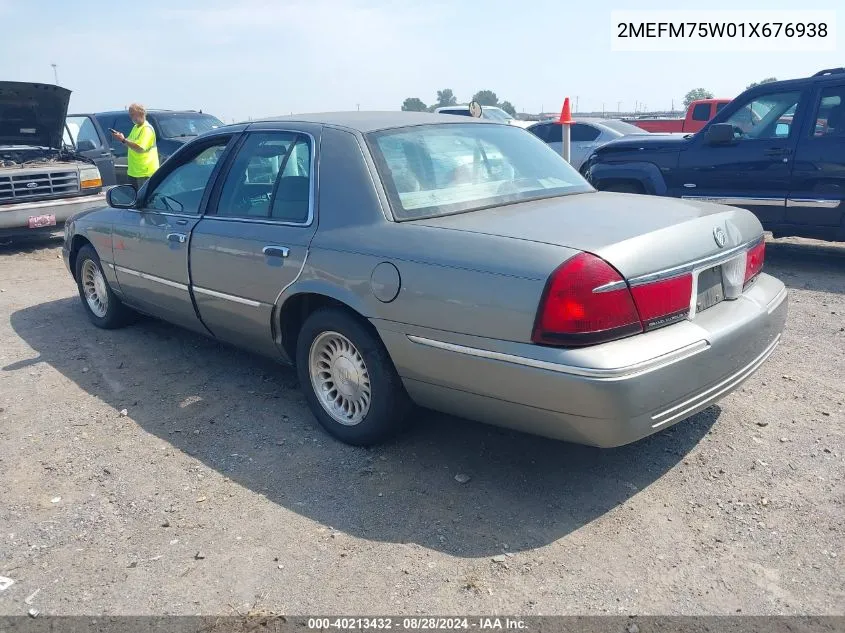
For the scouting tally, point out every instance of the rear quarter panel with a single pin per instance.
(453, 281)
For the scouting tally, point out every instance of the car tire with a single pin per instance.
(624, 187)
(349, 380)
(103, 307)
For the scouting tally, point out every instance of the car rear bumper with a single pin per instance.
(606, 395)
(14, 218)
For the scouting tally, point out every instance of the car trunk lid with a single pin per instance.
(638, 235)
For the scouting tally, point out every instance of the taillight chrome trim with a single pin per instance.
(613, 285)
(693, 266)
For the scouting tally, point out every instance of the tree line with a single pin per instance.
(446, 97)
(703, 93)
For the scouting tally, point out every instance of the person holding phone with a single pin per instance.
(142, 153)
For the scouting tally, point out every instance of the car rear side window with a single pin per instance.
(434, 170)
(701, 112)
(270, 178)
(550, 133)
(830, 113)
(583, 133)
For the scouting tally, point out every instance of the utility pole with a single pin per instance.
(618, 106)
(358, 105)
(576, 103)
(55, 74)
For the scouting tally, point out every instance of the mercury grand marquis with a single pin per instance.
(401, 259)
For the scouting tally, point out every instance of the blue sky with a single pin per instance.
(266, 57)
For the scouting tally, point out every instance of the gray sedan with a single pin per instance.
(401, 259)
(585, 135)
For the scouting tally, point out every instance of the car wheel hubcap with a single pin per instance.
(340, 378)
(94, 287)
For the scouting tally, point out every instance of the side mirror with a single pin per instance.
(720, 134)
(121, 197)
(85, 146)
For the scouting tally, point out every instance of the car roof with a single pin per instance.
(365, 122)
(823, 76)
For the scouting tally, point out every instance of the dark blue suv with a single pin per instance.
(173, 129)
(777, 150)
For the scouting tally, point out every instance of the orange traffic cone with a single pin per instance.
(566, 114)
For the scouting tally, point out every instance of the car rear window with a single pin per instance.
(434, 170)
(185, 125)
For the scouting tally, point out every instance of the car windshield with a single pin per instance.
(435, 170)
(495, 114)
(182, 125)
(622, 127)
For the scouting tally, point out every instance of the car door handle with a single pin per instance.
(276, 251)
(181, 238)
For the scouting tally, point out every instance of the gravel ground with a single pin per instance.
(152, 471)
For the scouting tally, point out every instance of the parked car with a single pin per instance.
(172, 128)
(699, 112)
(778, 150)
(491, 113)
(585, 135)
(42, 183)
(520, 297)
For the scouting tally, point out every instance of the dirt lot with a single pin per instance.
(215, 492)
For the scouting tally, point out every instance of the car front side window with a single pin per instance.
(82, 130)
(766, 116)
(182, 189)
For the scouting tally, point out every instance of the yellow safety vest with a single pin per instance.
(142, 164)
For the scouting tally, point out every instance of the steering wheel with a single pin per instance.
(738, 131)
(244, 203)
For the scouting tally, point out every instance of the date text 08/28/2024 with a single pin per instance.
(416, 624)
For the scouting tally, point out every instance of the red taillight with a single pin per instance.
(662, 302)
(573, 313)
(754, 261)
(587, 301)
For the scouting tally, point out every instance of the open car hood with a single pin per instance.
(32, 114)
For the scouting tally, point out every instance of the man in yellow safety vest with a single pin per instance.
(142, 154)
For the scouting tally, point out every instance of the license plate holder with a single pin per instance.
(40, 221)
(710, 290)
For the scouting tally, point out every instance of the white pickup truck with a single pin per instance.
(42, 181)
(487, 112)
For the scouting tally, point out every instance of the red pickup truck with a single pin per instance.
(698, 113)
